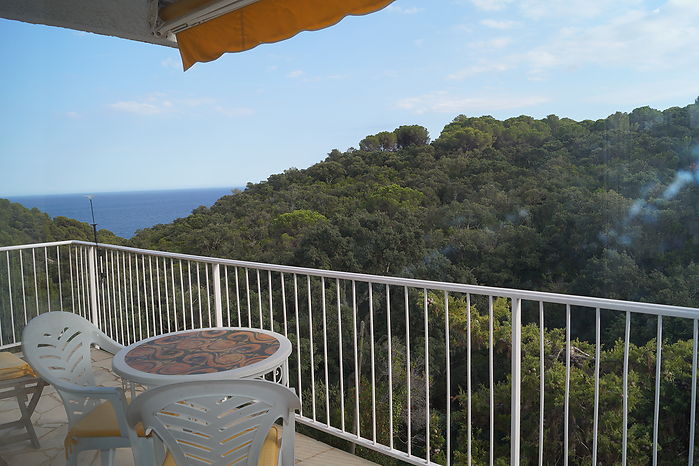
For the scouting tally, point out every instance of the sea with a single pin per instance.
(123, 213)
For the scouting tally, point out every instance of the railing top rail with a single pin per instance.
(37, 245)
(527, 295)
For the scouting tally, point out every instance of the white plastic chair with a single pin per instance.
(219, 422)
(57, 346)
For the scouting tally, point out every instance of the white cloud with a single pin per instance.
(540, 9)
(73, 115)
(495, 24)
(641, 39)
(172, 63)
(478, 69)
(160, 104)
(491, 5)
(494, 43)
(142, 108)
(443, 102)
(295, 74)
(234, 111)
(664, 38)
(404, 11)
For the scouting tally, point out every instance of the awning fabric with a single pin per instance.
(262, 22)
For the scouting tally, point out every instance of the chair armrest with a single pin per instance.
(106, 343)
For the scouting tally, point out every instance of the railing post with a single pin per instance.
(93, 285)
(516, 380)
(217, 296)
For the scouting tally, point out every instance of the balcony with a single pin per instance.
(51, 425)
(404, 370)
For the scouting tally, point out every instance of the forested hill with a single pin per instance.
(603, 208)
(19, 225)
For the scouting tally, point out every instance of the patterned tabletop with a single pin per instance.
(201, 352)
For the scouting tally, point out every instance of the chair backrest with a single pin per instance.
(57, 346)
(217, 422)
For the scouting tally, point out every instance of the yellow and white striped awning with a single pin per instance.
(251, 24)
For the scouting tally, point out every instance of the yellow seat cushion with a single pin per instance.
(100, 422)
(12, 367)
(269, 455)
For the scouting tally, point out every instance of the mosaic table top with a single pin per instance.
(202, 352)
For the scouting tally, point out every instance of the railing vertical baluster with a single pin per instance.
(152, 294)
(325, 351)
(469, 430)
(48, 284)
(160, 303)
(693, 403)
(102, 294)
(36, 288)
(339, 346)
(124, 316)
(121, 308)
(281, 278)
(542, 369)
(566, 400)
(516, 383)
(237, 299)
(228, 297)
(60, 283)
(182, 293)
(167, 296)
(174, 295)
(24, 293)
(84, 263)
(259, 298)
(191, 295)
(625, 394)
(658, 364)
(286, 330)
(127, 339)
(298, 339)
(598, 344)
(78, 280)
(9, 294)
(138, 300)
(491, 380)
(85, 274)
(72, 278)
(269, 291)
(247, 289)
(201, 319)
(448, 373)
(93, 287)
(132, 333)
(408, 371)
(145, 296)
(427, 377)
(208, 296)
(218, 308)
(390, 365)
(356, 357)
(310, 337)
(373, 361)
(113, 329)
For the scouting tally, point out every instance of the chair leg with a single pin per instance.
(26, 413)
(72, 459)
(107, 457)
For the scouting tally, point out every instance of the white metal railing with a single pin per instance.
(331, 317)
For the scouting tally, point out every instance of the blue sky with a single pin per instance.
(88, 113)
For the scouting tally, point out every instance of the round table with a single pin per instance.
(204, 354)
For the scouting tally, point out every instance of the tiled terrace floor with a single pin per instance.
(51, 426)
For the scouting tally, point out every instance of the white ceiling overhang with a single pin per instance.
(128, 19)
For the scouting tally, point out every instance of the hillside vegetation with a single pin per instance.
(19, 225)
(600, 208)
